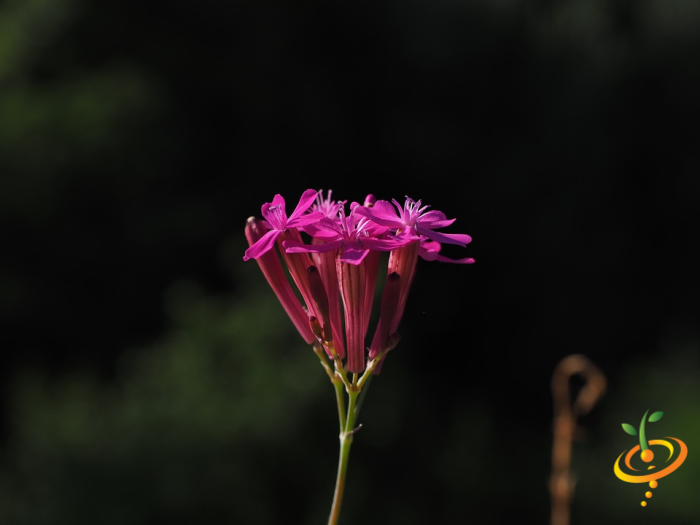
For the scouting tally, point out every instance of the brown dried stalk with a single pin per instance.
(561, 484)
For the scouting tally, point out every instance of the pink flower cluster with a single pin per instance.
(336, 270)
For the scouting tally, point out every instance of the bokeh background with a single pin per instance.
(149, 375)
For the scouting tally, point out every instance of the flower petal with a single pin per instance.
(434, 256)
(461, 239)
(305, 202)
(278, 200)
(353, 255)
(263, 245)
(274, 213)
(319, 231)
(434, 215)
(434, 219)
(306, 220)
(384, 245)
(382, 213)
(298, 247)
(433, 225)
(429, 251)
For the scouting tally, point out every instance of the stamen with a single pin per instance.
(331, 209)
(279, 215)
(361, 228)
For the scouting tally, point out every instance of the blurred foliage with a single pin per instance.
(27, 28)
(205, 425)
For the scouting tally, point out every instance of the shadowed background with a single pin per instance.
(149, 374)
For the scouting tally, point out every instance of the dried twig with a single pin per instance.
(561, 484)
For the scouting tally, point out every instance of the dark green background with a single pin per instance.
(148, 374)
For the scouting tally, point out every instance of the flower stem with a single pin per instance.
(341, 403)
(356, 390)
(345, 443)
(346, 438)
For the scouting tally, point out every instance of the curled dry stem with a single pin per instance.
(561, 484)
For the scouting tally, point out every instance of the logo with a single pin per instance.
(648, 451)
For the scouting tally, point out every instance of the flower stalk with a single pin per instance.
(356, 391)
(333, 258)
(346, 438)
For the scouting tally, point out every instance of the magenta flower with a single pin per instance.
(412, 221)
(334, 258)
(354, 235)
(353, 238)
(345, 250)
(276, 216)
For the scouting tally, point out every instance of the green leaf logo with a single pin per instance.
(656, 416)
(629, 429)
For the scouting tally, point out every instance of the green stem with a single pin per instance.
(642, 433)
(338, 384)
(356, 390)
(346, 437)
(352, 413)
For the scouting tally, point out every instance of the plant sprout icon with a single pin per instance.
(647, 455)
